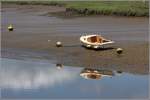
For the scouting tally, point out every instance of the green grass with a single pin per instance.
(123, 8)
(119, 8)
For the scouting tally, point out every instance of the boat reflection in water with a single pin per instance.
(89, 73)
(34, 79)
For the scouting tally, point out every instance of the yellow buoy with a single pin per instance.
(119, 50)
(58, 44)
(10, 27)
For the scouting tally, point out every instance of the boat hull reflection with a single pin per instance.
(89, 73)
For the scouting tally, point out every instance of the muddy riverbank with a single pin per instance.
(32, 30)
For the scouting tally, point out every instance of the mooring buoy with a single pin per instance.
(10, 27)
(58, 44)
(119, 50)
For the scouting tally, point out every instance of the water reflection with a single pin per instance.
(59, 66)
(44, 80)
(88, 73)
(27, 75)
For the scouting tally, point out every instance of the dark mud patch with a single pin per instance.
(69, 14)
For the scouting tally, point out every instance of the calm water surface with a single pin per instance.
(41, 79)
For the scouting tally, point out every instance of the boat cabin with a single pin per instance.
(96, 39)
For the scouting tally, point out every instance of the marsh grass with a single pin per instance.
(121, 8)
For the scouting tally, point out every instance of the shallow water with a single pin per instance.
(41, 79)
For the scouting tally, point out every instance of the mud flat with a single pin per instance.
(32, 30)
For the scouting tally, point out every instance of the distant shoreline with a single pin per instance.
(88, 8)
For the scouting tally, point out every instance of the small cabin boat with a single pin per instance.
(94, 41)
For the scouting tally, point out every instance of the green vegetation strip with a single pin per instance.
(50, 3)
(119, 8)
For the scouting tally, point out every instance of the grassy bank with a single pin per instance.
(118, 8)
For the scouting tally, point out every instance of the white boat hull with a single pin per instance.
(94, 45)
